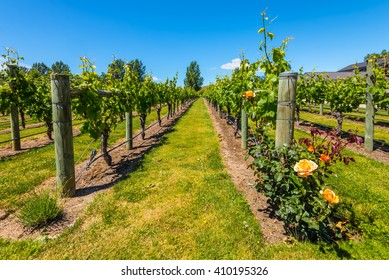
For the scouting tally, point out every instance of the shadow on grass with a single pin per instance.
(341, 253)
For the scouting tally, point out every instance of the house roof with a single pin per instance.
(336, 75)
(361, 66)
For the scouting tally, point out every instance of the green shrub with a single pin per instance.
(294, 180)
(40, 210)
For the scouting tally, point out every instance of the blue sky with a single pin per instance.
(167, 35)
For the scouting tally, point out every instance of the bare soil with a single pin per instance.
(234, 159)
(99, 177)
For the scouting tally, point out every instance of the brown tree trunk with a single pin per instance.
(49, 130)
(159, 116)
(23, 118)
(237, 122)
(297, 109)
(104, 147)
(143, 125)
(339, 118)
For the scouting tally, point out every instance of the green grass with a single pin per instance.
(40, 210)
(379, 133)
(21, 173)
(180, 203)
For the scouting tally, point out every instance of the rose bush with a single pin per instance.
(293, 178)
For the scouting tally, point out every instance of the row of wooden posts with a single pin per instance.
(63, 136)
(286, 111)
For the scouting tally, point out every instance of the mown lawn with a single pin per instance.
(180, 203)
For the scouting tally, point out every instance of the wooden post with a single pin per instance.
(369, 119)
(129, 142)
(244, 121)
(285, 109)
(63, 135)
(15, 132)
(321, 109)
(219, 110)
(14, 114)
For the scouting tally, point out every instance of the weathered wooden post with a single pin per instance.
(14, 114)
(219, 110)
(321, 113)
(285, 108)
(244, 121)
(129, 142)
(369, 118)
(63, 135)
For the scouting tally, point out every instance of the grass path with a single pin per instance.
(179, 204)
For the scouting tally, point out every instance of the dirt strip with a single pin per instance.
(244, 179)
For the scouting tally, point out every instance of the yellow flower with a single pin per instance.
(305, 167)
(249, 94)
(311, 148)
(330, 196)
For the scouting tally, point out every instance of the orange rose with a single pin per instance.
(330, 196)
(311, 148)
(305, 167)
(249, 94)
(324, 158)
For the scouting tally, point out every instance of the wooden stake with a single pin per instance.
(15, 132)
(285, 109)
(14, 114)
(63, 136)
(129, 142)
(321, 109)
(369, 119)
(244, 121)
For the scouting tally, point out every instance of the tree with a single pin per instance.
(42, 68)
(60, 68)
(193, 78)
(384, 52)
(137, 67)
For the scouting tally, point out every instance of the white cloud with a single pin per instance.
(155, 79)
(235, 63)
